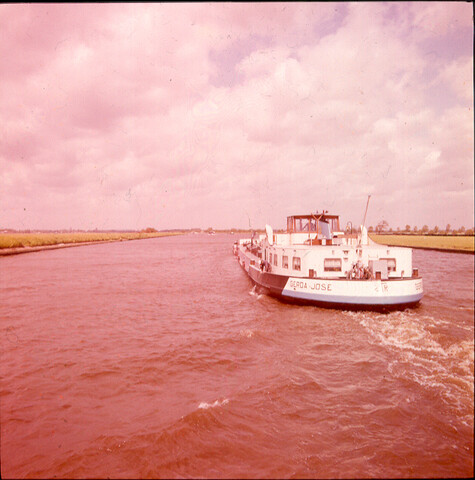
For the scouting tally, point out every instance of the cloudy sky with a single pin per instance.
(230, 115)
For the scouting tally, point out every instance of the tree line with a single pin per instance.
(383, 227)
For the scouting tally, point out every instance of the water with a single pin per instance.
(157, 358)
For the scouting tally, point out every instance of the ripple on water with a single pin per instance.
(159, 359)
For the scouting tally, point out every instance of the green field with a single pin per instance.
(18, 240)
(443, 242)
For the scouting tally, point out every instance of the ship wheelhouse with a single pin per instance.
(314, 229)
(319, 223)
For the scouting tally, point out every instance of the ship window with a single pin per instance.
(296, 263)
(332, 265)
(335, 224)
(285, 261)
(324, 229)
(275, 259)
(391, 264)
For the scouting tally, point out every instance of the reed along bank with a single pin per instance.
(452, 243)
(15, 242)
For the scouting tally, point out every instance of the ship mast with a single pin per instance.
(366, 211)
(363, 236)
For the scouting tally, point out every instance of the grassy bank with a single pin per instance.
(443, 242)
(19, 240)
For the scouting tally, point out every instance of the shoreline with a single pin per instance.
(446, 250)
(439, 243)
(5, 252)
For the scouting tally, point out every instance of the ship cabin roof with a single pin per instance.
(314, 222)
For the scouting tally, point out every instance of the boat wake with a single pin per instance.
(401, 330)
(435, 361)
(255, 293)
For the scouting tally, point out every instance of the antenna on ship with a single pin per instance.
(250, 228)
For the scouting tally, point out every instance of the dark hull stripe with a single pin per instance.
(274, 283)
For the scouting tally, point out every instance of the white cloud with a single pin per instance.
(325, 108)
